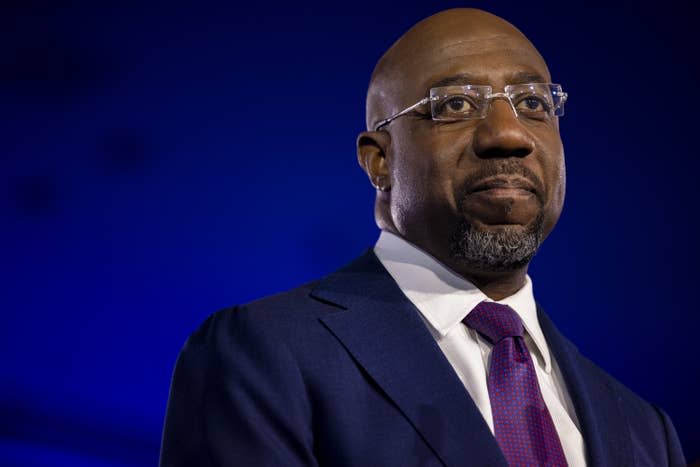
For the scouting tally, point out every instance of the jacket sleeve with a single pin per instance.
(236, 398)
(675, 452)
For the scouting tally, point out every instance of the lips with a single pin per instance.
(502, 195)
(503, 185)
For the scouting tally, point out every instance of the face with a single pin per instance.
(462, 190)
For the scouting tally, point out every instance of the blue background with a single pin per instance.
(161, 162)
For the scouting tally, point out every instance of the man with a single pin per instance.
(430, 349)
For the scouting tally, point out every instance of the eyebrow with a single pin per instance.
(522, 77)
(456, 80)
(461, 79)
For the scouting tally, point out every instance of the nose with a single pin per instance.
(500, 134)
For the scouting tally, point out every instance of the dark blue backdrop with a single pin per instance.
(161, 162)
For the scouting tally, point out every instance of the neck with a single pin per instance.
(496, 285)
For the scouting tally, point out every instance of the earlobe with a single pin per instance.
(371, 155)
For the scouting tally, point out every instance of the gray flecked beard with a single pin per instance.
(501, 249)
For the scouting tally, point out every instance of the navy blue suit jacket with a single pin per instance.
(343, 372)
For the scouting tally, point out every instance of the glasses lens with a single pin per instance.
(452, 103)
(537, 100)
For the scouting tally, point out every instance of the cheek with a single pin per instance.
(558, 177)
(411, 185)
(556, 181)
(423, 163)
(562, 181)
(423, 168)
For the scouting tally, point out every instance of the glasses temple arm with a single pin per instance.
(386, 121)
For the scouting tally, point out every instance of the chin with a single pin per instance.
(495, 247)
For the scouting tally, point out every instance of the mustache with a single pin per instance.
(502, 168)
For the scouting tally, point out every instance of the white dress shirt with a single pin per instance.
(444, 299)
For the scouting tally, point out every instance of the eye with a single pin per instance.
(455, 106)
(532, 104)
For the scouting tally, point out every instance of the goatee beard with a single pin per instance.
(504, 248)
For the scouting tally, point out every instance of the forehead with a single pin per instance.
(476, 57)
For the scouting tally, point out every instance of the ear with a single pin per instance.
(372, 147)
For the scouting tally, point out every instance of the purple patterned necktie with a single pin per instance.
(523, 427)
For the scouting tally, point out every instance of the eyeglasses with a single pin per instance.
(467, 102)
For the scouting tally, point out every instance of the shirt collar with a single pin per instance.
(443, 297)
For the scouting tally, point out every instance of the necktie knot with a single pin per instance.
(494, 321)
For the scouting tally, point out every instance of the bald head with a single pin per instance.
(438, 45)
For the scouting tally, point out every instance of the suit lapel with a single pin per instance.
(384, 333)
(605, 432)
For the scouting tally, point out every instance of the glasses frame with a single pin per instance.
(556, 90)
